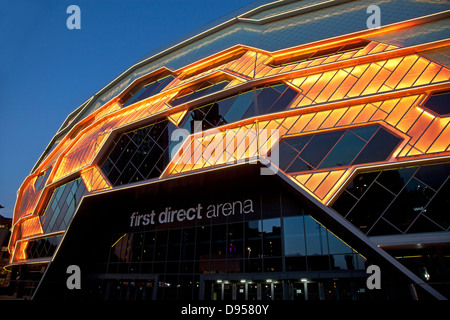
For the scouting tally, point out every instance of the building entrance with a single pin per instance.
(244, 290)
(285, 289)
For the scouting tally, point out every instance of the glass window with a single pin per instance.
(174, 245)
(361, 183)
(266, 98)
(253, 239)
(202, 90)
(239, 107)
(136, 247)
(379, 147)
(62, 206)
(438, 207)
(398, 201)
(294, 238)
(44, 247)
(219, 241)
(365, 132)
(435, 175)
(409, 203)
(382, 227)
(286, 155)
(235, 240)
(298, 143)
(40, 182)
(203, 243)
(149, 246)
(188, 244)
(344, 152)
(439, 102)
(140, 154)
(146, 91)
(395, 180)
(284, 101)
(319, 146)
(336, 245)
(224, 105)
(344, 203)
(161, 245)
(272, 264)
(337, 148)
(271, 237)
(370, 207)
(316, 237)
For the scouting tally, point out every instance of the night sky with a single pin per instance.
(48, 70)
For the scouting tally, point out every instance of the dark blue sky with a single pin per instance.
(47, 70)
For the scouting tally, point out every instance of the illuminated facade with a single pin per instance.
(311, 148)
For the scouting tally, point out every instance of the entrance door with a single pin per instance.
(243, 290)
(233, 290)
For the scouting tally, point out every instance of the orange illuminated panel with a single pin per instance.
(177, 117)
(443, 75)
(328, 183)
(414, 73)
(366, 113)
(107, 109)
(216, 148)
(233, 83)
(31, 227)
(408, 119)
(380, 47)
(366, 49)
(379, 115)
(345, 86)
(401, 70)
(321, 183)
(419, 127)
(288, 124)
(428, 74)
(302, 178)
(333, 118)
(404, 151)
(442, 141)
(364, 80)
(330, 88)
(302, 121)
(28, 200)
(317, 120)
(20, 251)
(429, 136)
(377, 82)
(320, 84)
(388, 105)
(350, 115)
(80, 157)
(94, 180)
(400, 109)
(315, 179)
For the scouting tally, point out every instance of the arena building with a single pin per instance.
(276, 153)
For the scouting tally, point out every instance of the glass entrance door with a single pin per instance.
(234, 290)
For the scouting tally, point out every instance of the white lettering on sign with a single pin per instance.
(212, 211)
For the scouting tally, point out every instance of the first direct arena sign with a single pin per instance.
(197, 212)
